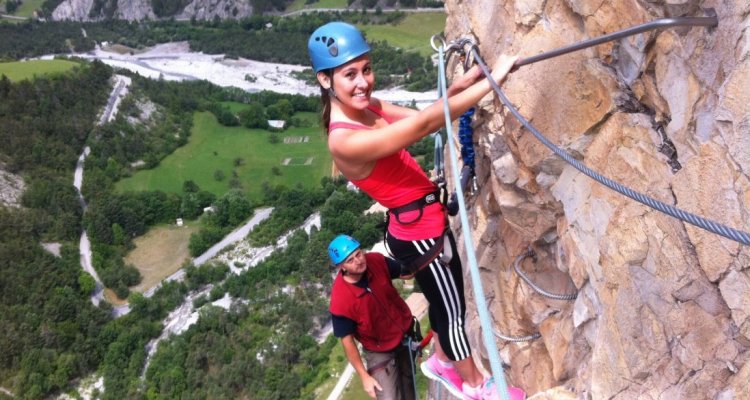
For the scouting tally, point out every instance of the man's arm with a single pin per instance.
(352, 354)
(398, 270)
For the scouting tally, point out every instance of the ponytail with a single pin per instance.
(325, 101)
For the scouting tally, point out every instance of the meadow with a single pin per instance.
(413, 33)
(20, 70)
(246, 154)
(27, 8)
(300, 4)
(152, 260)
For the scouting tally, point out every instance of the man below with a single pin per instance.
(365, 306)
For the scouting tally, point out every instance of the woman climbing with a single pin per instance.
(367, 139)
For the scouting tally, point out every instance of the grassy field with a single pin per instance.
(20, 70)
(300, 4)
(160, 253)
(27, 8)
(412, 33)
(213, 147)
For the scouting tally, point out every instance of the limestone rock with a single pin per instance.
(663, 310)
(138, 10)
(224, 9)
(11, 188)
(134, 10)
(75, 10)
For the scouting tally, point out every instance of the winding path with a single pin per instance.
(110, 110)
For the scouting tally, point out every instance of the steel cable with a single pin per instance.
(704, 223)
(535, 287)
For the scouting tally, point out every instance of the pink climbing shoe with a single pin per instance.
(488, 391)
(447, 376)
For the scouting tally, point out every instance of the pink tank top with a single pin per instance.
(398, 180)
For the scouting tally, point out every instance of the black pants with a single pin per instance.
(443, 286)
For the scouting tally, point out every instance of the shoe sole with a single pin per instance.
(446, 383)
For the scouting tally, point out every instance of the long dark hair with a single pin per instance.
(325, 101)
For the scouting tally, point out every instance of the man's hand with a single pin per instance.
(370, 385)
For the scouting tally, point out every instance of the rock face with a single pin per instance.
(138, 10)
(663, 307)
(74, 10)
(224, 9)
(11, 188)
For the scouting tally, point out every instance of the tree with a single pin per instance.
(254, 116)
(282, 110)
(86, 283)
(189, 186)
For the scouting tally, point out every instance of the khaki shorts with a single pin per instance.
(393, 371)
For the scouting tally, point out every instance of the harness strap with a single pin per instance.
(380, 365)
(429, 256)
(418, 204)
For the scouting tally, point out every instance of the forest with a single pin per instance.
(53, 335)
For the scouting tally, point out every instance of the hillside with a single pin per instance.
(139, 10)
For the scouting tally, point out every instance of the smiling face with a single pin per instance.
(353, 82)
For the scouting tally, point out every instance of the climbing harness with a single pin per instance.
(418, 204)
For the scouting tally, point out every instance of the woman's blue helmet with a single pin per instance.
(341, 247)
(335, 44)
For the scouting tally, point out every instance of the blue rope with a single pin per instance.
(466, 138)
(476, 282)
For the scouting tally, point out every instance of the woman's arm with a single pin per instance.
(393, 111)
(396, 112)
(363, 146)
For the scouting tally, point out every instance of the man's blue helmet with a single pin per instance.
(335, 44)
(341, 247)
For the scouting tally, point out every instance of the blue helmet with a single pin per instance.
(341, 247)
(335, 44)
